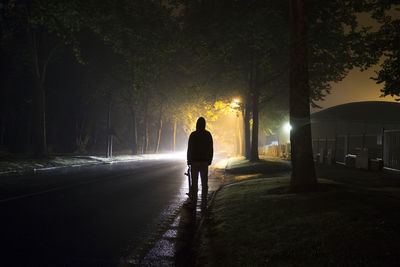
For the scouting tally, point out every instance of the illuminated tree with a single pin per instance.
(244, 43)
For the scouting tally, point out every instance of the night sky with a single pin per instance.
(357, 86)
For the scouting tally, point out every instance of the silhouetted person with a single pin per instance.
(199, 156)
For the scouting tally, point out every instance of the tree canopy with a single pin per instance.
(138, 67)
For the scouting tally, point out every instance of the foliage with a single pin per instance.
(337, 43)
(233, 31)
(234, 34)
(273, 116)
(389, 43)
(151, 57)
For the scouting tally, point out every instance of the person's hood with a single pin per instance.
(201, 124)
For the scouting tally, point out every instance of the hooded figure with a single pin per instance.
(200, 154)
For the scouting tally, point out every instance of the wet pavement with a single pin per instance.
(88, 217)
(171, 245)
(95, 215)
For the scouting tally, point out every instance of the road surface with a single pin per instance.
(87, 216)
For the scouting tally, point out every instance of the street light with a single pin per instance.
(235, 103)
(287, 127)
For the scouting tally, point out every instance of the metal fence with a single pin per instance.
(343, 145)
(281, 150)
(384, 146)
(391, 154)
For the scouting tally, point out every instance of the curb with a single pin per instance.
(204, 216)
(209, 204)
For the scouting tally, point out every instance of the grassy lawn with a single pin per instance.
(260, 223)
(264, 166)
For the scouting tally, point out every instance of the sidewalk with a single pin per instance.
(172, 243)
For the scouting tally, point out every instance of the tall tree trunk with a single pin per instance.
(2, 127)
(81, 135)
(134, 132)
(303, 172)
(145, 144)
(28, 136)
(39, 119)
(254, 106)
(160, 124)
(39, 69)
(239, 136)
(39, 142)
(109, 132)
(246, 122)
(174, 144)
(132, 106)
(96, 137)
(254, 135)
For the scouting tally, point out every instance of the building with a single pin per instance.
(371, 128)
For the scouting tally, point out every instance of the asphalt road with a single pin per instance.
(86, 216)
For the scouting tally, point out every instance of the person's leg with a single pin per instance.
(195, 177)
(204, 177)
(204, 185)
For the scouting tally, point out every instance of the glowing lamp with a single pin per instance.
(235, 103)
(287, 127)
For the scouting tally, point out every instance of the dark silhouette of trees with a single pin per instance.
(150, 61)
(386, 42)
(326, 42)
(43, 27)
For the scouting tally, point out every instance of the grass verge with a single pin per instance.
(268, 166)
(260, 223)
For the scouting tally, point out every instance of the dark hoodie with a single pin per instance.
(200, 147)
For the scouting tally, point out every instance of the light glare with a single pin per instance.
(287, 127)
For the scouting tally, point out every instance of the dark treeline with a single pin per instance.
(75, 74)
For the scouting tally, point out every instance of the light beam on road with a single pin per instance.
(127, 158)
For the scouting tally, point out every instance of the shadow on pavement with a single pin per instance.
(191, 214)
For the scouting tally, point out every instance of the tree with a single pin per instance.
(246, 41)
(388, 43)
(326, 42)
(142, 32)
(303, 172)
(47, 26)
